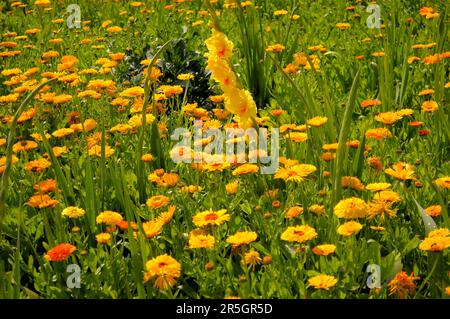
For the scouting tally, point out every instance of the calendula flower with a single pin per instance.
(73, 212)
(402, 285)
(443, 182)
(401, 171)
(210, 217)
(242, 238)
(245, 169)
(60, 252)
(109, 218)
(324, 249)
(252, 257)
(317, 121)
(201, 241)
(296, 173)
(322, 281)
(158, 201)
(378, 133)
(152, 228)
(42, 201)
(376, 187)
(351, 208)
(166, 270)
(299, 234)
(434, 210)
(103, 238)
(437, 240)
(293, 212)
(429, 106)
(349, 228)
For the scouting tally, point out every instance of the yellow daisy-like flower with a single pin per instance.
(211, 217)
(103, 238)
(401, 171)
(166, 270)
(242, 238)
(322, 281)
(152, 228)
(376, 187)
(443, 182)
(317, 121)
(299, 234)
(73, 212)
(351, 208)
(349, 228)
(324, 250)
(109, 218)
(201, 241)
(296, 173)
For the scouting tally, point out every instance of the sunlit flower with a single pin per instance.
(299, 234)
(166, 270)
(60, 252)
(322, 282)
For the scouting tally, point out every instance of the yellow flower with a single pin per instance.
(96, 150)
(443, 182)
(152, 228)
(109, 218)
(252, 257)
(73, 212)
(103, 238)
(296, 173)
(231, 188)
(219, 46)
(437, 240)
(388, 118)
(63, 132)
(322, 281)
(349, 228)
(245, 169)
(134, 91)
(166, 270)
(158, 201)
(351, 208)
(201, 241)
(211, 217)
(299, 234)
(376, 187)
(317, 121)
(275, 48)
(324, 250)
(378, 133)
(401, 171)
(242, 238)
(293, 212)
(429, 106)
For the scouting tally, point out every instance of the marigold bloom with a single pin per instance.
(299, 234)
(434, 210)
(324, 249)
(109, 218)
(443, 182)
(219, 46)
(231, 188)
(211, 217)
(152, 228)
(73, 212)
(245, 169)
(60, 252)
(38, 165)
(252, 257)
(296, 173)
(351, 208)
(322, 281)
(166, 270)
(158, 201)
(242, 238)
(42, 201)
(352, 182)
(349, 228)
(437, 240)
(317, 121)
(103, 238)
(429, 106)
(201, 241)
(376, 187)
(402, 285)
(24, 146)
(293, 212)
(378, 133)
(401, 171)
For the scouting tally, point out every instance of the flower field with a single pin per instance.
(224, 149)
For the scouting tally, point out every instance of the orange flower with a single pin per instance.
(402, 284)
(42, 201)
(60, 252)
(158, 201)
